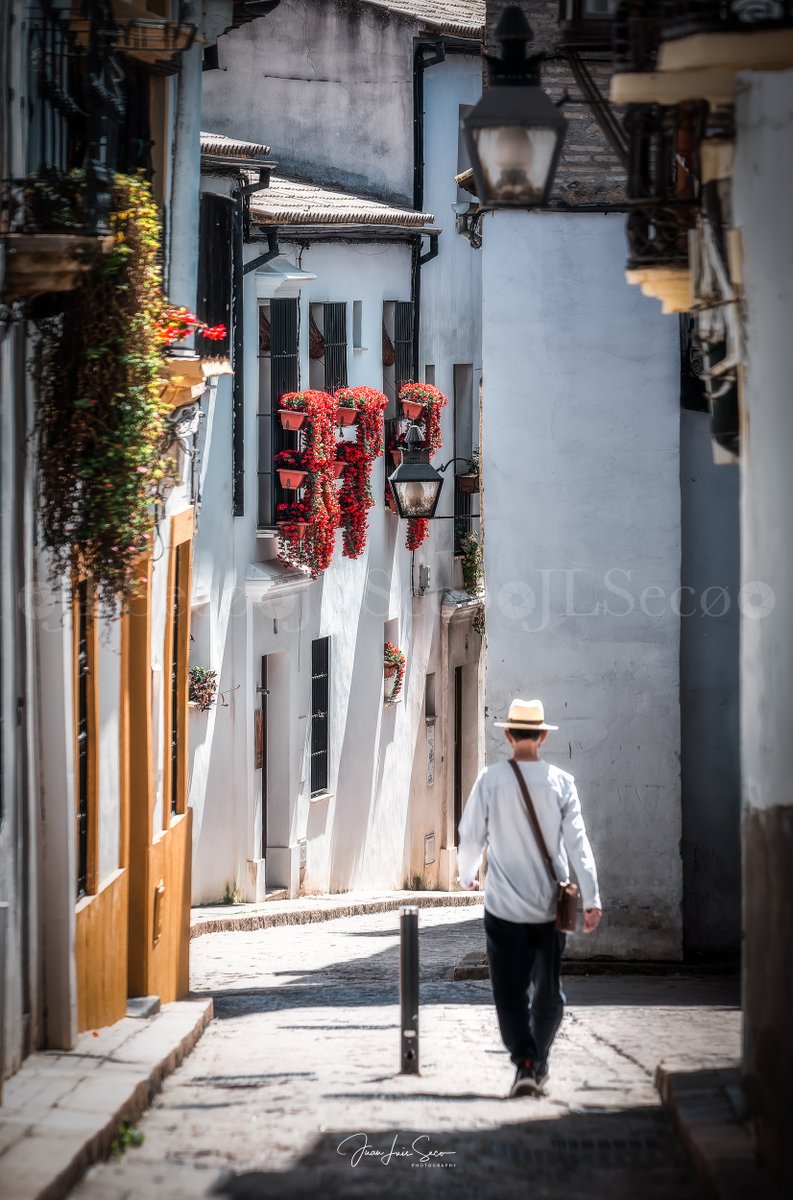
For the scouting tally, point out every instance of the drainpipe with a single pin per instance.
(437, 54)
(182, 275)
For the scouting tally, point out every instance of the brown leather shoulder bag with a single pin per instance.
(567, 892)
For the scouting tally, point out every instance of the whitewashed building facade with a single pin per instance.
(301, 777)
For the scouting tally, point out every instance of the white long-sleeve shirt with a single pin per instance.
(518, 886)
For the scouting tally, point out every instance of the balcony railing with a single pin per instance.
(77, 103)
(641, 26)
(681, 18)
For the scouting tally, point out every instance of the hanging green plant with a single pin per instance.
(101, 422)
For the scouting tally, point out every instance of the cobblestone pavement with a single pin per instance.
(303, 1054)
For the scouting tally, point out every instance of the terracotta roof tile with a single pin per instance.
(461, 18)
(226, 147)
(299, 202)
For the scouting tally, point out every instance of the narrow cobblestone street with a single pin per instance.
(302, 1055)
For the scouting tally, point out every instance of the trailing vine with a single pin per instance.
(101, 423)
(356, 497)
(432, 400)
(307, 527)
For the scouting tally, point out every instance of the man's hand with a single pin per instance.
(471, 887)
(591, 919)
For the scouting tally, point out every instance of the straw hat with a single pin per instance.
(525, 714)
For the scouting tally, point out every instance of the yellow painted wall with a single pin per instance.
(101, 954)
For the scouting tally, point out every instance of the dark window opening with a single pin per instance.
(463, 447)
(320, 697)
(215, 242)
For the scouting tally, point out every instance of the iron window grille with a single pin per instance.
(404, 370)
(279, 373)
(335, 339)
(320, 722)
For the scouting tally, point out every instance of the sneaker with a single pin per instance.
(541, 1077)
(525, 1080)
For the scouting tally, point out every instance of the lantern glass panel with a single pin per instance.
(516, 162)
(415, 498)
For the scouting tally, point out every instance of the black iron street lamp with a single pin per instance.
(415, 484)
(514, 134)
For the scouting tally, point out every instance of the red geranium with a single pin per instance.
(433, 400)
(313, 547)
(355, 497)
(175, 324)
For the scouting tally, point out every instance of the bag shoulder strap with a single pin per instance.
(535, 824)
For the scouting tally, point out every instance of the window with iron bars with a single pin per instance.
(398, 365)
(279, 373)
(328, 346)
(320, 721)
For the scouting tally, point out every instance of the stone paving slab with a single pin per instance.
(305, 910)
(62, 1109)
(700, 1096)
(303, 1056)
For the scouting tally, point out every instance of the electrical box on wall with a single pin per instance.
(429, 849)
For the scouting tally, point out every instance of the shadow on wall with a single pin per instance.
(357, 768)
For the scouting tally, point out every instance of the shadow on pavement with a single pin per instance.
(632, 1154)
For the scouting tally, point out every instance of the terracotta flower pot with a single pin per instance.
(396, 455)
(468, 483)
(299, 527)
(291, 479)
(411, 409)
(346, 416)
(389, 669)
(338, 469)
(291, 418)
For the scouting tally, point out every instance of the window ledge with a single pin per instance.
(318, 797)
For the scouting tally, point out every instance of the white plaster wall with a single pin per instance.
(451, 285)
(358, 835)
(762, 186)
(582, 503)
(328, 86)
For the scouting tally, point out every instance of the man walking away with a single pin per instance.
(524, 948)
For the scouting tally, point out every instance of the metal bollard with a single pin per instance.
(409, 989)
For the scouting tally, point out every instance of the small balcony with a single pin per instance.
(672, 51)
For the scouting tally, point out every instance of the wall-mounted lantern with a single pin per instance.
(514, 134)
(415, 484)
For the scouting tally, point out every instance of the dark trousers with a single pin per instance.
(525, 971)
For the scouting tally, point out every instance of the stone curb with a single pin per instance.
(704, 1101)
(69, 1105)
(263, 918)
